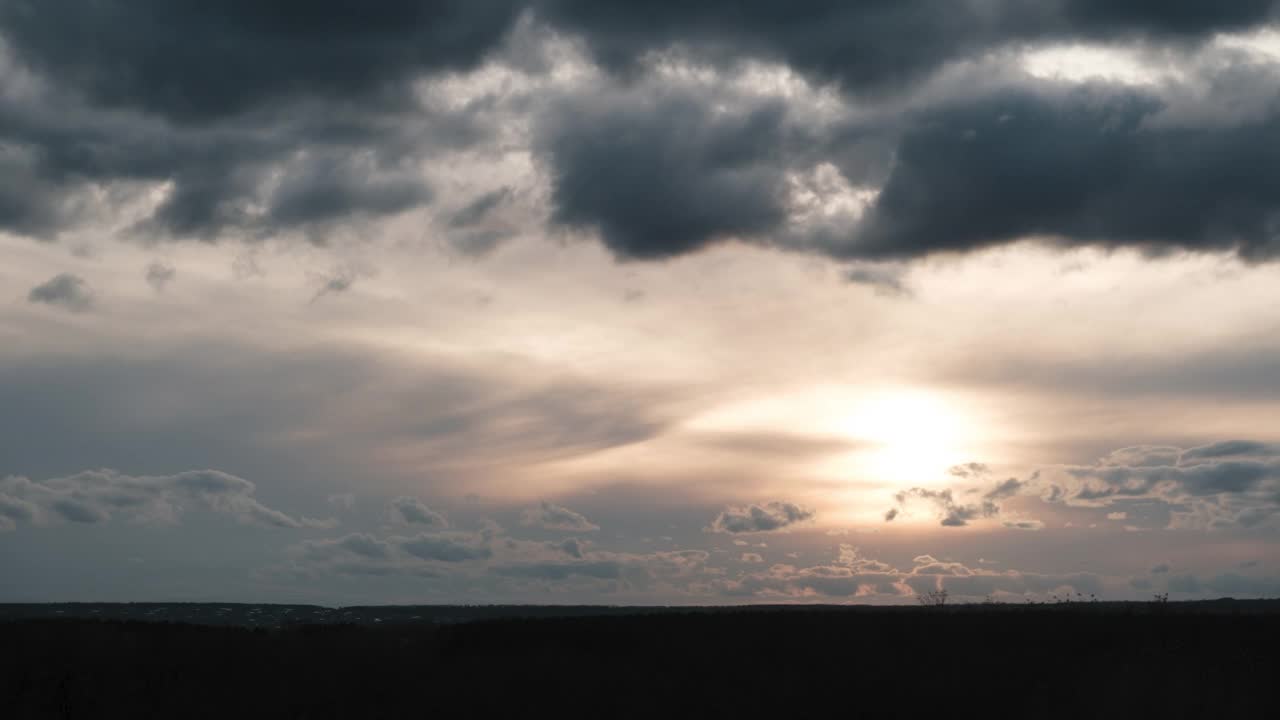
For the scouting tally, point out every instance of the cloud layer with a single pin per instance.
(97, 496)
(266, 121)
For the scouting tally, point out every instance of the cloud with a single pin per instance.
(300, 143)
(478, 209)
(188, 404)
(752, 558)
(342, 501)
(1023, 524)
(66, 291)
(1006, 489)
(887, 281)
(769, 517)
(572, 547)
(971, 470)
(445, 548)
(858, 576)
(252, 127)
(159, 275)
(96, 496)
(415, 512)
(616, 158)
(955, 173)
(549, 516)
(953, 513)
(242, 56)
(363, 554)
(871, 48)
(339, 280)
(976, 173)
(1226, 484)
(1162, 568)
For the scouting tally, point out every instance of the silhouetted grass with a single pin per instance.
(1047, 661)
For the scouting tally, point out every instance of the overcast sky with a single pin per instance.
(615, 302)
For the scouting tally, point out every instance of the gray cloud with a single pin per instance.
(1023, 524)
(1234, 483)
(339, 280)
(866, 577)
(415, 512)
(1006, 489)
(66, 291)
(953, 513)
(477, 210)
(361, 554)
(96, 496)
(550, 516)
(760, 518)
(197, 404)
(572, 547)
(595, 569)
(885, 280)
(445, 548)
(159, 275)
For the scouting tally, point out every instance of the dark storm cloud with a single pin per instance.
(663, 174)
(1085, 166)
(256, 153)
(659, 173)
(760, 518)
(874, 45)
(263, 118)
(65, 290)
(197, 61)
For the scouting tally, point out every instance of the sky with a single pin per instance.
(588, 301)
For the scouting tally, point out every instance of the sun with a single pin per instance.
(912, 436)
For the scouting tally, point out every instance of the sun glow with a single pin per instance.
(895, 436)
(914, 436)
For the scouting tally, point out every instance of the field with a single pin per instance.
(1166, 660)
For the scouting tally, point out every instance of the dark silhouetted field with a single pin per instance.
(1203, 660)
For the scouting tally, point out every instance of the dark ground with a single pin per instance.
(1160, 660)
